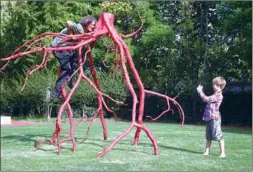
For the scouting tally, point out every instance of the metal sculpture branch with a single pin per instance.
(122, 57)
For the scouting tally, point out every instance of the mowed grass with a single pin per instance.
(180, 149)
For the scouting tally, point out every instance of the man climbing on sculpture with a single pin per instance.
(67, 58)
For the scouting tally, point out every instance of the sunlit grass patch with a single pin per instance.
(179, 149)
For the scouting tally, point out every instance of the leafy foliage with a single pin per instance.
(182, 44)
(111, 84)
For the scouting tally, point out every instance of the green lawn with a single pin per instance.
(180, 149)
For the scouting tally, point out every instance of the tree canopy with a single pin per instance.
(181, 44)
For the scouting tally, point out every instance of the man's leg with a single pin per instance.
(65, 63)
(73, 67)
(62, 79)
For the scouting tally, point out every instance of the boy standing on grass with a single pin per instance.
(212, 115)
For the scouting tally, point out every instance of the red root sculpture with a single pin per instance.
(105, 26)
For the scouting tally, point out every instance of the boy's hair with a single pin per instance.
(219, 81)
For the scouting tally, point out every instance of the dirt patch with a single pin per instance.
(18, 123)
(76, 122)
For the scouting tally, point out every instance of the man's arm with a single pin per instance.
(70, 32)
(74, 28)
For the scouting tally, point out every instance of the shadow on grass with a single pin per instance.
(117, 146)
(24, 138)
(29, 138)
(180, 149)
(135, 148)
(93, 142)
(173, 148)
